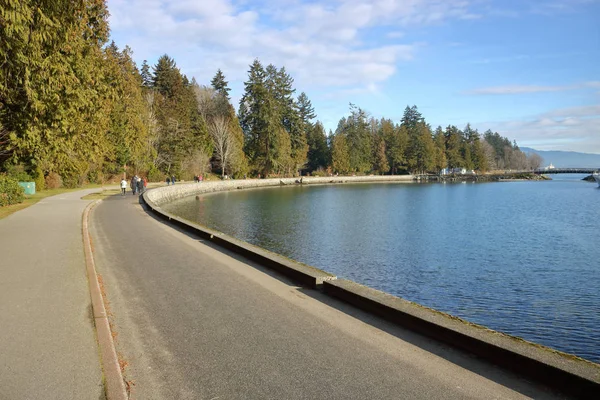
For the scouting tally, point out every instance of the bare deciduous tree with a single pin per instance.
(205, 98)
(222, 139)
(534, 161)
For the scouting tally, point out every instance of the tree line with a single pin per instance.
(75, 108)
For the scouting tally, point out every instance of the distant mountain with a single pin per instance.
(566, 159)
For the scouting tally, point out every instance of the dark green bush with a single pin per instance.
(19, 173)
(10, 191)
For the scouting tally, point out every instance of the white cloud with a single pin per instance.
(573, 128)
(321, 44)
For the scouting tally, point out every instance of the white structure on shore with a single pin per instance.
(549, 167)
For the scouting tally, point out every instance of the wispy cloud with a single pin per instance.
(321, 43)
(527, 89)
(572, 128)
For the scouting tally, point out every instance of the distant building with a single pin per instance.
(549, 167)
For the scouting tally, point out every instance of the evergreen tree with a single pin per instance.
(340, 155)
(453, 147)
(166, 76)
(53, 98)
(258, 120)
(146, 75)
(420, 154)
(220, 85)
(439, 139)
(358, 139)
(184, 137)
(381, 162)
(318, 151)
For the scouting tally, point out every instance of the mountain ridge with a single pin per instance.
(565, 159)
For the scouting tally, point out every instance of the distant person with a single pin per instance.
(140, 185)
(133, 185)
(123, 186)
(145, 183)
(195, 178)
(168, 181)
(173, 179)
(200, 178)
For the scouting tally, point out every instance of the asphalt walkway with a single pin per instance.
(48, 348)
(194, 322)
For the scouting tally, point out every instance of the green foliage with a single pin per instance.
(340, 154)
(359, 140)
(73, 109)
(381, 163)
(220, 85)
(10, 191)
(18, 173)
(318, 151)
(39, 179)
(154, 175)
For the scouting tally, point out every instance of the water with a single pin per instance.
(518, 257)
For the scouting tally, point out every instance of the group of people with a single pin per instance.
(198, 178)
(137, 185)
(171, 179)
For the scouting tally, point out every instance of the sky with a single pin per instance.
(527, 69)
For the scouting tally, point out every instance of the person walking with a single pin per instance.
(173, 179)
(133, 185)
(123, 186)
(140, 185)
(168, 181)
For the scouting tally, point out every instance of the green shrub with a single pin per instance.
(154, 175)
(10, 191)
(40, 182)
(19, 173)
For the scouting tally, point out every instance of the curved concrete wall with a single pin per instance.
(569, 374)
(167, 194)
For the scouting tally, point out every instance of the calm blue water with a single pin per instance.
(518, 257)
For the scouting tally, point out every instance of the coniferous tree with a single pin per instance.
(439, 139)
(220, 85)
(257, 119)
(146, 75)
(359, 140)
(318, 151)
(453, 147)
(340, 154)
(381, 162)
(420, 152)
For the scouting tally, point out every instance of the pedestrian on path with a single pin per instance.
(123, 186)
(168, 181)
(140, 185)
(133, 185)
(173, 179)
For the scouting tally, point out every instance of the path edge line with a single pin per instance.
(114, 384)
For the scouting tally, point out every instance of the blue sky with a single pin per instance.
(527, 69)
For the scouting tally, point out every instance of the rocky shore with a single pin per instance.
(507, 177)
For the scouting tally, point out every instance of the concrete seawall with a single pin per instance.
(569, 374)
(167, 194)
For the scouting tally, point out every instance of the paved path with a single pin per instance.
(48, 348)
(196, 323)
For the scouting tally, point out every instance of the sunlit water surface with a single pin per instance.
(518, 257)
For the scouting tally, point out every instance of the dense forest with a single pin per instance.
(74, 108)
